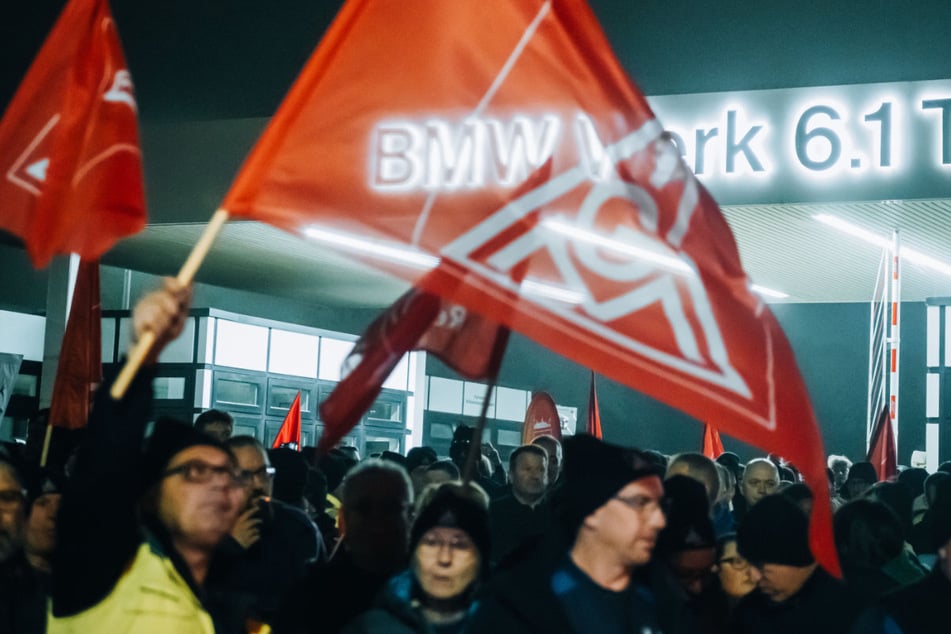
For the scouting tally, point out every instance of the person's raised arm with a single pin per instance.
(98, 531)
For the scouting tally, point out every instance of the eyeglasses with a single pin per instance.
(264, 474)
(10, 499)
(643, 503)
(458, 544)
(736, 563)
(200, 472)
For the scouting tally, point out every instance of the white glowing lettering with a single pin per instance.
(522, 145)
(594, 159)
(441, 155)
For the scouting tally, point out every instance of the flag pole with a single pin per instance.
(46, 443)
(141, 349)
(475, 449)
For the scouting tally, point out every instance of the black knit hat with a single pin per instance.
(864, 471)
(594, 471)
(453, 506)
(46, 481)
(170, 436)
(776, 531)
(688, 517)
(941, 514)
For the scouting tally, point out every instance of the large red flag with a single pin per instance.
(69, 150)
(407, 138)
(594, 414)
(712, 445)
(290, 428)
(464, 340)
(80, 358)
(882, 452)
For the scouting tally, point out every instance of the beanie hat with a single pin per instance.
(775, 530)
(290, 475)
(864, 471)
(941, 514)
(688, 519)
(170, 436)
(420, 456)
(45, 482)
(453, 506)
(594, 471)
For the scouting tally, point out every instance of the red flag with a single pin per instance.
(541, 418)
(80, 357)
(290, 428)
(69, 148)
(594, 414)
(418, 320)
(619, 260)
(712, 446)
(882, 452)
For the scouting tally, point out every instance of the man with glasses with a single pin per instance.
(22, 603)
(610, 511)
(793, 593)
(140, 526)
(271, 543)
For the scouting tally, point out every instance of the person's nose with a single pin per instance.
(445, 554)
(755, 574)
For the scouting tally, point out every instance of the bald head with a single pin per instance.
(697, 467)
(761, 478)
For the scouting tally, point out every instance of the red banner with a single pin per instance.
(408, 139)
(541, 418)
(69, 149)
(79, 370)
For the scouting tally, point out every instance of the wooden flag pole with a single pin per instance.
(46, 443)
(141, 349)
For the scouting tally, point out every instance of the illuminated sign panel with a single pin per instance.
(863, 142)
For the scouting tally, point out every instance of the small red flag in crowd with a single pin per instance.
(594, 414)
(290, 428)
(712, 445)
(69, 149)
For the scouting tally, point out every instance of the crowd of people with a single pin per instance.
(174, 527)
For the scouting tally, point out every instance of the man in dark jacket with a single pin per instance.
(793, 594)
(22, 604)
(271, 543)
(609, 507)
(374, 523)
(523, 514)
(922, 607)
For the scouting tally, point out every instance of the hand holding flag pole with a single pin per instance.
(140, 351)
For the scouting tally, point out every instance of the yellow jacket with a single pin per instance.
(149, 597)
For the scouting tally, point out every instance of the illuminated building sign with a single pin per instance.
(863, 142)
